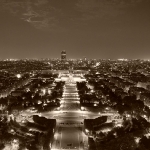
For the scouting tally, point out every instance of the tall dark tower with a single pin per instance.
(63, 55)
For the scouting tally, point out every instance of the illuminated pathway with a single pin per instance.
(69, 133)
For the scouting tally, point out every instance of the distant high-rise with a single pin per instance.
(63, 55)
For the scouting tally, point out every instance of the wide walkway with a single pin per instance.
(69, 134)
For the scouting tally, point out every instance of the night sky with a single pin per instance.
(84, 28)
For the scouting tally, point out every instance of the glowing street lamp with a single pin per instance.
(95, 104)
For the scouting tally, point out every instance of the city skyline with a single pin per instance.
(92, 29)
(84, 105)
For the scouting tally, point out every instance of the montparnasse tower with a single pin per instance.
(63, 55)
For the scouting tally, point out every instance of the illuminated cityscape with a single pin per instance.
(74, 74)
(97, 104)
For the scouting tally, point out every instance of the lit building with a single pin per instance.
(63, 55)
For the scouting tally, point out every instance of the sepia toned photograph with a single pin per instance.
(74, 74)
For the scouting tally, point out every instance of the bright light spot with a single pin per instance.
(82, 108)
(23, 121)
(44, 91)
(39, 102)
(86, 130)
(115, 134)
(107, 108)
(27, 89)
(49, 91)
(118, 125)
(106, 130)
(128, 115)
(56, 135)
(15, 141)
(18, 76)
(12, 130)
(122, 59)
(137, 140)
(97, 64)
(44, 104)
